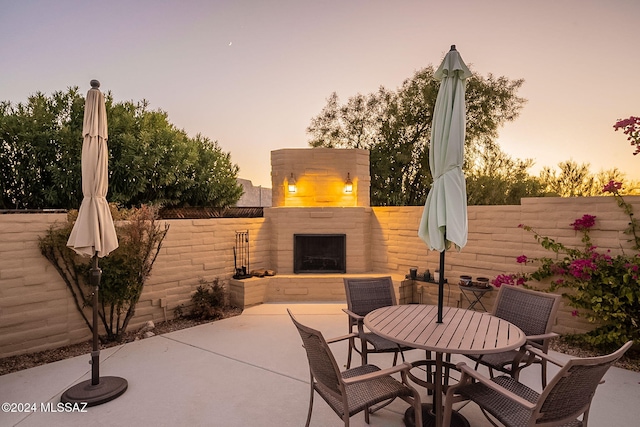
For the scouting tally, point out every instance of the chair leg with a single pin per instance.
(488, 367)
(491, 372)
(585, 416)
(448, 408)
(351, 347)
(366, 415)
(543, 368)
(417, 408)
(418, 416)
(363, 353)
(430, 373)
(310, 404)
(375, 408)
(447, 370)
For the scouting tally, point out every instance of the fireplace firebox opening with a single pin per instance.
(319, 253)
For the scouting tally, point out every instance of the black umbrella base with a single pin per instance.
(107, 389)
(429, 418)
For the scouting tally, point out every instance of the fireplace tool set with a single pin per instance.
(241, 255)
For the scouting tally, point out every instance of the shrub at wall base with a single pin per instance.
(124, 271)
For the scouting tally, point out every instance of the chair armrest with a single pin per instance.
(359, 320)
(545, 356)
(542, 336)
(342, 338)
(524, 357)
(467, 371)
(429, 366)
(406, 366)
(353, 315)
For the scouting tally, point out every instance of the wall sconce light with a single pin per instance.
(348, 185)
(292, 184)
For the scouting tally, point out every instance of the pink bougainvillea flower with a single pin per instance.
(502, 279)
(632, 267)
(582, 268)
(508, 279)
(612, 187)
(586, 222)
(623, 123)
(604, 257)
(522, 259)
(574, 313)
(631, 128)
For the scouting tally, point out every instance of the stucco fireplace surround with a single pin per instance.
(311, 197)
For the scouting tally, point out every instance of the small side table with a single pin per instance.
(474, 295)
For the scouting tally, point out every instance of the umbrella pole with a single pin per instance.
(96, 275)
(441, 287)
(95, 391)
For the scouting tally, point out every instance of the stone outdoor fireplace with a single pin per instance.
(319, 253)
(319, 229)
(322, 225)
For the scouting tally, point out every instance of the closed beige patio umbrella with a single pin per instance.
(94, 235)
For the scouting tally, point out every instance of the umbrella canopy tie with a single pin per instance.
(446, 171)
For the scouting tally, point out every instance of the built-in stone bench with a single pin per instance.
(305, 288)
(330, 287)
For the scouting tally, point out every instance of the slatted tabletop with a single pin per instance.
(461, 331)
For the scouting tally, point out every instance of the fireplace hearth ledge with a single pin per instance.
(307, 287)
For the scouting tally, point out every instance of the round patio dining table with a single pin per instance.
(461, 332)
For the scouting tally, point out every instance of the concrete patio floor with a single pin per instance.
(248, 370)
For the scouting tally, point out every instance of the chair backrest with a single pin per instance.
(367, 294)
(322, 364)
(571, 390)
(532, 311)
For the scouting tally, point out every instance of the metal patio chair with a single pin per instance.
(567, 397)
(356, 389)
(363, 296)
(534, 313)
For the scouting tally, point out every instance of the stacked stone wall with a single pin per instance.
(37, 311)
(495, 240)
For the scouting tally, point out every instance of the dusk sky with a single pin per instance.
(252, 74)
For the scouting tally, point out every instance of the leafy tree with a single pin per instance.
(39, 152)
(395, 127)
(151, 161)
(576, 180)
(497, 179)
